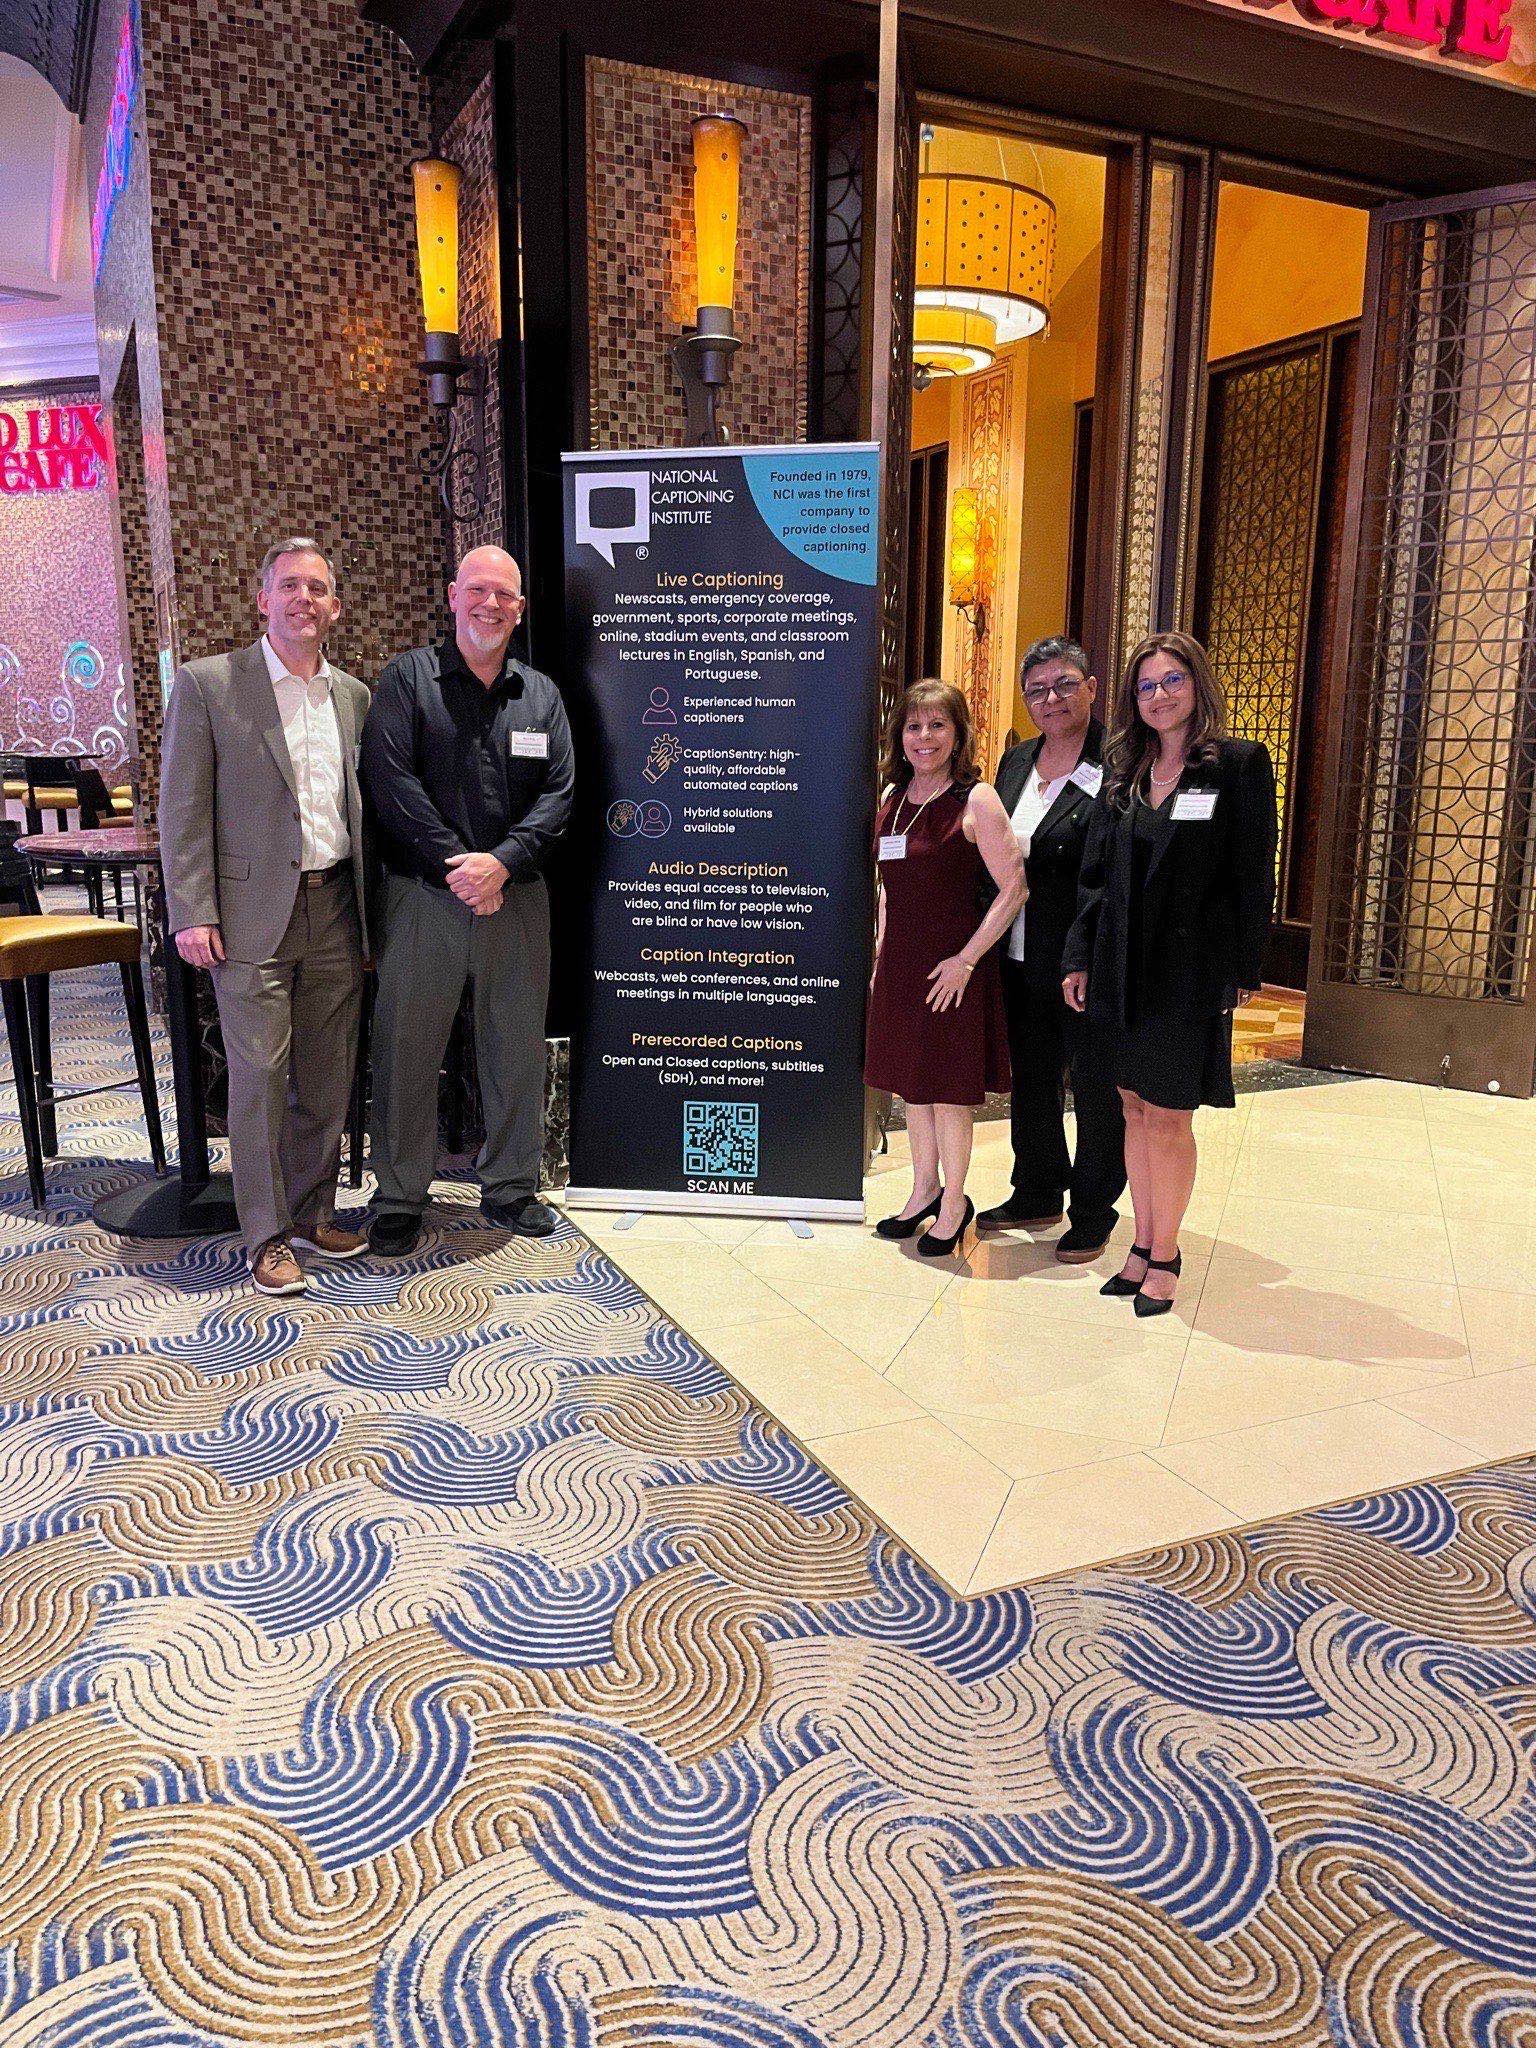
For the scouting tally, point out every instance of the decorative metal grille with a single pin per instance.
(897, 450)
(842, 270)
(1432, 890)
(1149, 425)
(1261, 483)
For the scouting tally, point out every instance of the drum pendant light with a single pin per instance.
(985, 247)
(947, 342)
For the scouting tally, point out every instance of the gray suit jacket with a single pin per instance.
(229, 808)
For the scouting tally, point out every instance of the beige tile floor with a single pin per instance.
(1358, 1310)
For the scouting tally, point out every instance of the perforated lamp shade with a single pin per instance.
(948, 342)
(986, 246)
(717, 140)
(437, 242)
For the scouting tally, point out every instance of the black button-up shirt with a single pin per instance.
(446, 773)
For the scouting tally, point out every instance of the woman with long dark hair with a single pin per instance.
(1178, 884)
(937, 1036)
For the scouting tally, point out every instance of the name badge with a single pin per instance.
(893, 846)
(1194, 806)
(1089, 777)
(529, 746)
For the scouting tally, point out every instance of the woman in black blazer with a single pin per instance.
(1178, 884)
(1047, 785)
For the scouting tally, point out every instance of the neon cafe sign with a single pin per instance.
(52, 448)
(1477, 29)
(117, 149)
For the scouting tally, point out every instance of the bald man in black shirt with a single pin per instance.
(468, 764)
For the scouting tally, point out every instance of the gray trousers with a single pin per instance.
(432, 945)
(290, 1037)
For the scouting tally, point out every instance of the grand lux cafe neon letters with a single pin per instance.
(52, 448)
(1479, 30)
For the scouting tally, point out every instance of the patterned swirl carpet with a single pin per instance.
(459, 1657)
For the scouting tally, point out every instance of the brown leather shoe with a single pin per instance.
(274, 1269)
(332, 1240)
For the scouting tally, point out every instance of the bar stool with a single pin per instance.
(32, 948)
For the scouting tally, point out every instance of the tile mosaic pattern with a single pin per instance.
(641, 268)
(262, 259)
(460, 1656)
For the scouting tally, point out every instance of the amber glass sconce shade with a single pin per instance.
(703, 355)
(457, 460)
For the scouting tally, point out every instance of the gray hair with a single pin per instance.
(293, 544)
(1057, 648)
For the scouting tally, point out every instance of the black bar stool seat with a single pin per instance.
(31, 949)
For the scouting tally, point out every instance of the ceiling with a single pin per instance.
(47, 314)
(54, 37)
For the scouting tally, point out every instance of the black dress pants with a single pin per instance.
(1046, 1042)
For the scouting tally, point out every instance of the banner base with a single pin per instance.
(666, 1202)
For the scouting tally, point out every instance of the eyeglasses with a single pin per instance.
(1170, 685)
(1067, 687)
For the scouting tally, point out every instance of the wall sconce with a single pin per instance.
(703, 355)
(970, 559)
(457, 462)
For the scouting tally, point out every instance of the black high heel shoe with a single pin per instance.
(934, 1247)
(1148, 1304)
(899, 1227)
(1118, 1286)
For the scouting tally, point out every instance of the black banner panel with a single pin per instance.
(722, 623)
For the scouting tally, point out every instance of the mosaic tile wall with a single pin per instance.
(62, 687)
(469, 139)
(264, 260)
(640, 255)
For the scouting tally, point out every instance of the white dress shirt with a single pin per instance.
(313, 739)
(1035, 800)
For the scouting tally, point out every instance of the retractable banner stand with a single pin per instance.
(722, 639)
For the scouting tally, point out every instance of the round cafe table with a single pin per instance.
(194, 1201)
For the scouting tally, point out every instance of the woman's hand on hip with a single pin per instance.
(950, 979)
(1074, 991)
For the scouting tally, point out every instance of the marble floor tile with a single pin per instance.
(1494, 1415)
(1049, 1523)
(1222, 1388)
(1305, 1460)
(813, 1384)
(934, 1490)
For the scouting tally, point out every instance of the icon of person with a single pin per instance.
(655, 819)
(660, 711)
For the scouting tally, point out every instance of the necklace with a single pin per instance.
(927, 800)
(1162, 781)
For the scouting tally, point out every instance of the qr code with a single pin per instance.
(720, 1138)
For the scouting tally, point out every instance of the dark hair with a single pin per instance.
(1056, 648)
(1130, 746)
(895, 768)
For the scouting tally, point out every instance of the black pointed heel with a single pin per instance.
(1148, 1305)
(934, 1247)
(898, 1227)
(1118, 1286)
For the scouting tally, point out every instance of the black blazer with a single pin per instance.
(1055, 857)
(1206, 903)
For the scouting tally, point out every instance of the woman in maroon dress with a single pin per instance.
(937, 1036)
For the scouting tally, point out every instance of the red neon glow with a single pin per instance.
(52, 448)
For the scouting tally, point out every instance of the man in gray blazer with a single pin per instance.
(261, 841)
